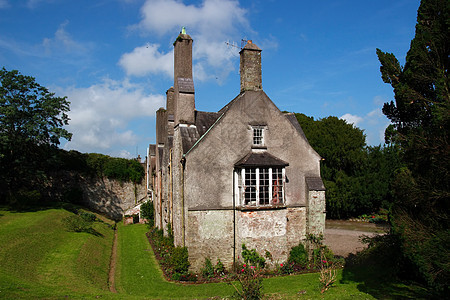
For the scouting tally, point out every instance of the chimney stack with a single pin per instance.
(250, 68)
(184, 100)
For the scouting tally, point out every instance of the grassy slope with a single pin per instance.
(39, 259)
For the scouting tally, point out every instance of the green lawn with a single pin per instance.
(40, 259)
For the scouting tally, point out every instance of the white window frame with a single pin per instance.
(276, 193)
(258, 133)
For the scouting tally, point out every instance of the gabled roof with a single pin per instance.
(260, 159)
(291, 117)
(206, 120)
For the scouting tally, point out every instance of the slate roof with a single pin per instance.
(291, 117)
(204, 120)
(262, 159)
(189, 136)
(315, 184)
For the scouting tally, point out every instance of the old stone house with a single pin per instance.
(244, 174)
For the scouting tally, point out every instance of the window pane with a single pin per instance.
(264, 186)
(250, 186)
(257, 136)
(277, 186)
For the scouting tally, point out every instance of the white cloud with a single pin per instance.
(373, 123)
(147, 59)
(101, 115)
(210, 24)
(212, 17)
(63, 42)
(352, 119)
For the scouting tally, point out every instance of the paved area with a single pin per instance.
(343, 237)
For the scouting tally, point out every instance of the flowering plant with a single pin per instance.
(249, 282)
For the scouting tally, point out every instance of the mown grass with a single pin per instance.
(39, 259)
(140, 275)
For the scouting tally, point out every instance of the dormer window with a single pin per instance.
(258, 136)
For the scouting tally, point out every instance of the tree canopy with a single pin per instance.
(357, 177)
(420, 116)
(32, 119)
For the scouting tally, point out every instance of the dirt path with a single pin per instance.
(343, 237)
(112, 265)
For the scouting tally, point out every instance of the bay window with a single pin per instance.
(260, 186)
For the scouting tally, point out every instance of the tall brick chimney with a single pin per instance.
(170, 106)
(184, 104)
(250, 68)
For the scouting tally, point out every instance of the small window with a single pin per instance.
(258, 136)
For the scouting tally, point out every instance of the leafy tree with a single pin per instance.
(420, 126)
(357, 177)
(31, 123)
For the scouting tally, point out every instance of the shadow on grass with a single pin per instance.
(94, 232)
(378, 280)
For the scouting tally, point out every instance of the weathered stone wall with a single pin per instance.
(276, 231)
(108, 196)
(316, 212)
(210, 235)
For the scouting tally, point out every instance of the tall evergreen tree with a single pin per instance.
(420, 127)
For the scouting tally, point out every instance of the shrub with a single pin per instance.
(327, 273)
(298, 256)
(76, 223)
(179, 260)
(147, 212)
(320, 254)
(249, 283)
(87, 216)
(208, 269)
(252, 257)
(114, 167)
(220, 269)
(24, 198)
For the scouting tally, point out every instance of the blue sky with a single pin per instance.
(113, 59)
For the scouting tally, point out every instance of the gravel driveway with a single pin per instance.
(343, 237)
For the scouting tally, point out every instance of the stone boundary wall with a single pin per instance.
(108, 196)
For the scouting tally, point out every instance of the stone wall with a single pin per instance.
(210, 234)
(110, 196)
(316, 212)
(105, 195)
